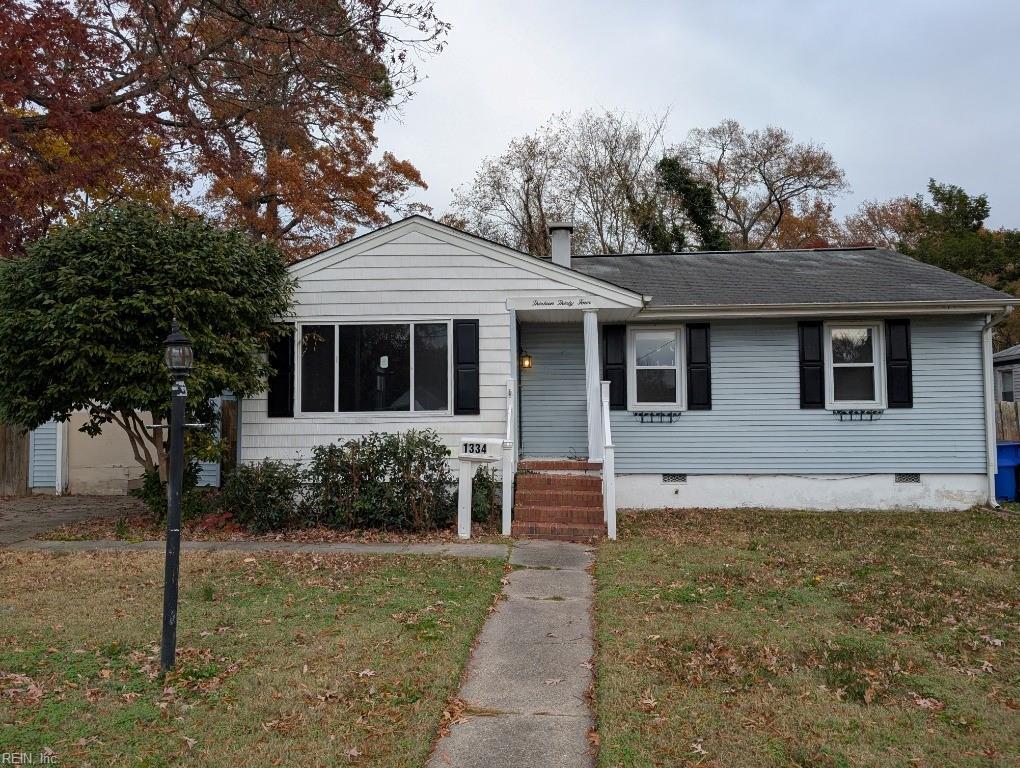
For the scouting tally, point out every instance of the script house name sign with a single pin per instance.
(565, 303)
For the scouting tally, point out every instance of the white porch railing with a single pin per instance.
(508, 467)
(608, 467)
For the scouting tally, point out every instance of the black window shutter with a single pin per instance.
(699, 368)
(614, 364)
(465, 367)
(812, 365)
(898, 364)
(280, 397)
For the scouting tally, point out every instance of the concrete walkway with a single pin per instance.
(23, 518)
(529, 677)
(453, 549)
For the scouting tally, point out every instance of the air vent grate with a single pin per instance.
(673, 477)
(908, 477)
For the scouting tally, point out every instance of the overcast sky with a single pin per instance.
(897, 91)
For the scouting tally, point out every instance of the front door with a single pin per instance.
(554, 419)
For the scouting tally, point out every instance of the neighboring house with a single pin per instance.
(825, 379)
(63, 459)
(1006, 364)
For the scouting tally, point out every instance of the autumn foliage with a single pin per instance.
(264, 111)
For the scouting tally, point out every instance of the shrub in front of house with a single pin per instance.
(195, 501)
(486, 502)
(264, 496)
(383, 481)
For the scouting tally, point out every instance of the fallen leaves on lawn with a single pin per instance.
(22, 689)
(454, 714)
(926, 702)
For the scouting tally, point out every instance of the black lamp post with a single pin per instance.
(179, 357)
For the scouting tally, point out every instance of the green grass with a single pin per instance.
(749, 638)
(304, 659)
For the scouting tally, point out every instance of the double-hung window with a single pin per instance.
(655, 370)
(1006, 385)
(375, 367)
(854, 365)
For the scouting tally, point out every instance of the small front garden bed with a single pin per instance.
(375, 488)
(139, 525)
(829, 640)
(317, 660)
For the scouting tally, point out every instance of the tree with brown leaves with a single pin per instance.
(889, 224)
(265, 109)
(760, 178)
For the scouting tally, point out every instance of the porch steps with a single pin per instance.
(558, 499)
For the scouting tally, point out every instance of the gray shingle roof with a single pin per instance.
(815, 276)
(1007, 355)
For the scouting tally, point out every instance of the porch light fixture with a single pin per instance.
(177, 353)
(526, 360)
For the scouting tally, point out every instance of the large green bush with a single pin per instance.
(389, 481)
(195, 501)
(263, 497)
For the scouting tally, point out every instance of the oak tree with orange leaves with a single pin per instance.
(262, 110)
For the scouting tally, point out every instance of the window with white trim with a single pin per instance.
(854, 362)
(1006, 385)
(375, 367)
(655, 357)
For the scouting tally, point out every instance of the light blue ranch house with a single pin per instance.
(832, 378)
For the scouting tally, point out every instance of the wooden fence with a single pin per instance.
(1007, 422)
(13, 461)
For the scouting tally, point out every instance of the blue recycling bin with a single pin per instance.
(1009, 467)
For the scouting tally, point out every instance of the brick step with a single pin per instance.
(538, 465)
(531, 482)
(555, 497)
(558, 531)
(538, 514)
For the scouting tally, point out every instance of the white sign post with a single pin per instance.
(473, 451)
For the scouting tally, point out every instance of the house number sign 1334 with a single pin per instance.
(476, 448)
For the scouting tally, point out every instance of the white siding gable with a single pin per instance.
(416, 270)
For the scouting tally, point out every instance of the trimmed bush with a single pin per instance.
(486, 503)
(263, 497)
(382, 480)
(195, 502)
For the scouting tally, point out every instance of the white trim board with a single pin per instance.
(860, 309)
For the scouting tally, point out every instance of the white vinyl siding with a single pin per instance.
(42, 462)
(756, 425)
(413, 277)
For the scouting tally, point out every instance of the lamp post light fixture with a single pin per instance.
(179, 358)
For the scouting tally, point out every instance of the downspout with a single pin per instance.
(61, 478)
(991, 462)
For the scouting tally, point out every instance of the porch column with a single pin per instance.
(593, 386)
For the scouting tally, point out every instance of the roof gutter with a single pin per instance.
(975, 307)
(991, 449)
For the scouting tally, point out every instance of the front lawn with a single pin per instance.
(748, 638)
(283, 660)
